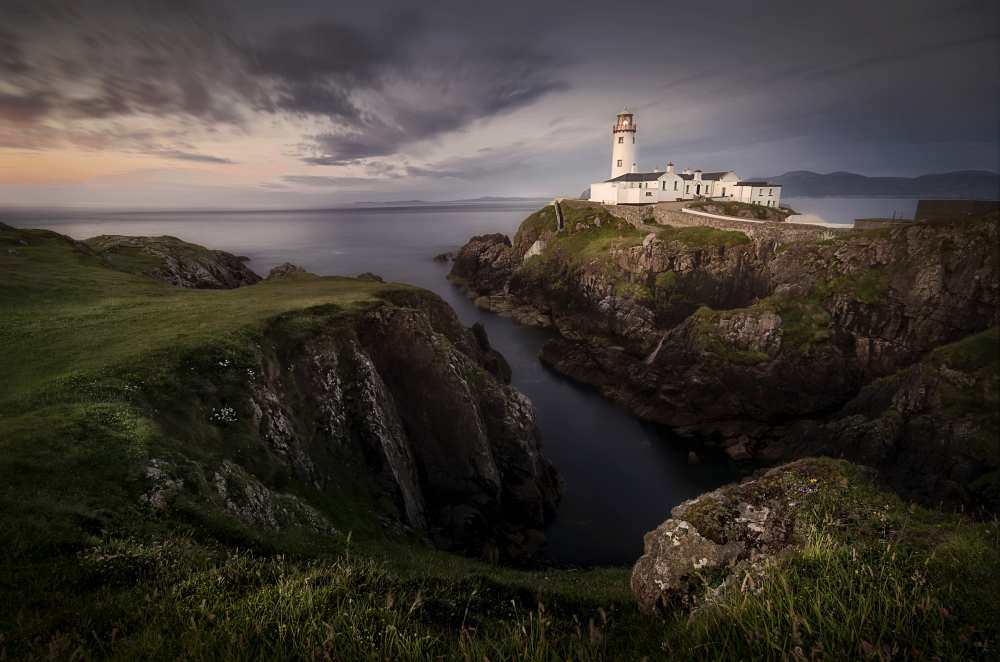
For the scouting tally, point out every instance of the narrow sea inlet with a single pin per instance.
(621, 477)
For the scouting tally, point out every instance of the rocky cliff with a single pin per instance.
(296, 403)
(173, 261)
(742, 339)
(400, 392)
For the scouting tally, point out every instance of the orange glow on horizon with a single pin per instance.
(68, 166)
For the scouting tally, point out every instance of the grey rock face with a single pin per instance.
(407, 396)
(706, 538)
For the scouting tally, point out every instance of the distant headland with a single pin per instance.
(962, 184)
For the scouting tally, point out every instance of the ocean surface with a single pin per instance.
(621, 477)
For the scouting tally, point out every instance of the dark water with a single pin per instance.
(621, 477)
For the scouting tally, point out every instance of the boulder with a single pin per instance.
(285, 270)
(707, 537)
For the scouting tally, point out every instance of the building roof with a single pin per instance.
(712, 176)
(637, 177)
(706, 176)
(758, 184)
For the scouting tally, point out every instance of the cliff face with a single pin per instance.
(297, 404)
(739, 339)
(403, 394)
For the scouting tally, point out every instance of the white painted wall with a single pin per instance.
(604, 192)
(768, 196)
(623, 152)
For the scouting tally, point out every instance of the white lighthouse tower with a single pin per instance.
(623, 144)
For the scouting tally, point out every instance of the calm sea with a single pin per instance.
(621, 476)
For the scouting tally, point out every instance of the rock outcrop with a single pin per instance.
(726, 534)
(736, 339)
(404, 399)
(285, 270)
(173, 261)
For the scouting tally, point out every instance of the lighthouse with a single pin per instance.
(623, 144)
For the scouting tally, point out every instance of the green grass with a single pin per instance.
(871, 576)
(66, 315)
(104, 369)
(591, 236)
(741, 210)
(666, 281)
(980, 351)
(870, 286)
(702, 237)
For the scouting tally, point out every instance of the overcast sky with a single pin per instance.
(242, 103)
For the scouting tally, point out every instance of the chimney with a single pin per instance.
(697, 175)
(687, 171)
(656, 170)
(670, 167)
(635, 168)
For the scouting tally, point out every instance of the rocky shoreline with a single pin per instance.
(773, 349)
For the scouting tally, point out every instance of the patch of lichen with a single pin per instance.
(712, 517)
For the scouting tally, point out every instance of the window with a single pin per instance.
(675, 184)
(687, 189)
(770, 191)
(723, 191)
(633, 140)
(621, 140)
(649, 194)
(663, 186)
(760, 193)
(619, 163)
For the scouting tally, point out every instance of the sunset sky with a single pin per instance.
(201, 103)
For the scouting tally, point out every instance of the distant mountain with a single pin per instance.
(965, 184)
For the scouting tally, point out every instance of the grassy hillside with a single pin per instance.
(104, 370)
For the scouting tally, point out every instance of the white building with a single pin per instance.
(628, 186)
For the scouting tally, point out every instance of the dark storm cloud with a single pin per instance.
(70, 62)
(189, 62)
(460, 91)
(370, 82)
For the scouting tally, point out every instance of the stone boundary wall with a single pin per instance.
(879, 223)
(669, 213)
